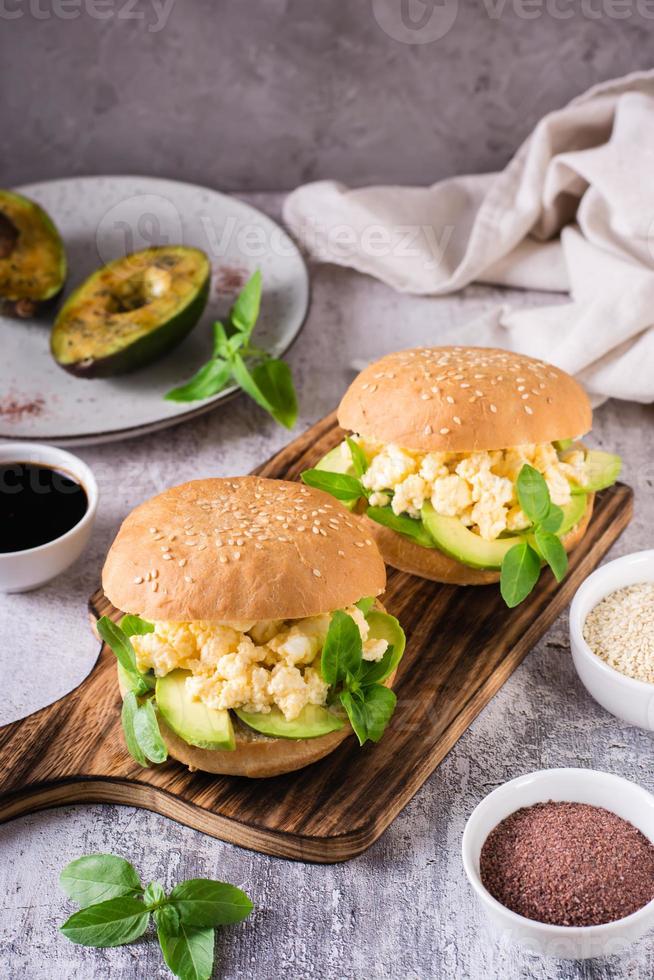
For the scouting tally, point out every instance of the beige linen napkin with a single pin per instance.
(573, 212)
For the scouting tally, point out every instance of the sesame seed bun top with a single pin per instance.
(463, 399)
(244, 548)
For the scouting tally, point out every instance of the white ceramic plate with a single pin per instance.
(101, 218)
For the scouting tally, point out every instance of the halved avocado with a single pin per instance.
(32, 256)
(193, 721)
(131, 311)
(312, 722)
(602, 469)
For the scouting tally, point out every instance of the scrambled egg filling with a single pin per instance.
(478, 488)
(255, 666)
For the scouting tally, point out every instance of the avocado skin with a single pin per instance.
(152, 346)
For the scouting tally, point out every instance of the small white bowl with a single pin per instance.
(627, 698)
(21, 571)
(573, 785)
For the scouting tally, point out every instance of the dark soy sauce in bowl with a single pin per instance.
(38, 504)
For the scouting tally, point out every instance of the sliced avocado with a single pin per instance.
(572, 513)
(132, 311)
(192, 721)
(312, 722)
(385, 627)
(333, 462)
(454, 539)
(602, 470)
(32, 256)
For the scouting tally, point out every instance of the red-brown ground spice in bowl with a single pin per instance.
(568, 864)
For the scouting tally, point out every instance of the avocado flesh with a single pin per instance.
(385, 627)
(312, 722)
(192, 721)
(32, 256)
(315, 720)
(457, 541)
(333, 462)
(573, 513)
(131, 311)
(602, 470)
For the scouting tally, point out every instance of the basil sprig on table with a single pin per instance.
(266, 379)
(138, 716)
(115, 909)
(522, 563)
(357, 682)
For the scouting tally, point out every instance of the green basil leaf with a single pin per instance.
(359, 461)
(553, 519)
(209, 380)
(374, 671)
(274, 380)
(99, 877)
(245, 311)
(135, 626)
(203, 902)
(154, 894)
(339, 485)
(127, 716)
(188, 952)
(220, 339)
(148, 736)
(519, 574)
(533, 495)
(357, 714)
(245, 380)
(552, 550)
(365, 604)
(379, 703)
(409, 527)
(166, 918)
(112, 923)
(120, 644)
(342, 649)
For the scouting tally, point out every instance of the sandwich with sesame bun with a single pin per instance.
(466, 466)
(252, 641)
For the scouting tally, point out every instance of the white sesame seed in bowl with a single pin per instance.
(612, 637)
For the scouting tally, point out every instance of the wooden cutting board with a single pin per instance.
(462, 645)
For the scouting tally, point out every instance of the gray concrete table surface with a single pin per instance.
(403, 909)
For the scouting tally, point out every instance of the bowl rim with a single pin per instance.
(77, 468)
(468, 855)
(576, 626)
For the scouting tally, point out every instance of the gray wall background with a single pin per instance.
(266, 94)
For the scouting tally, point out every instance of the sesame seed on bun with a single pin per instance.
(243, 548)
(463, 399)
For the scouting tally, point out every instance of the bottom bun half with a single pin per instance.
(430, 563)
